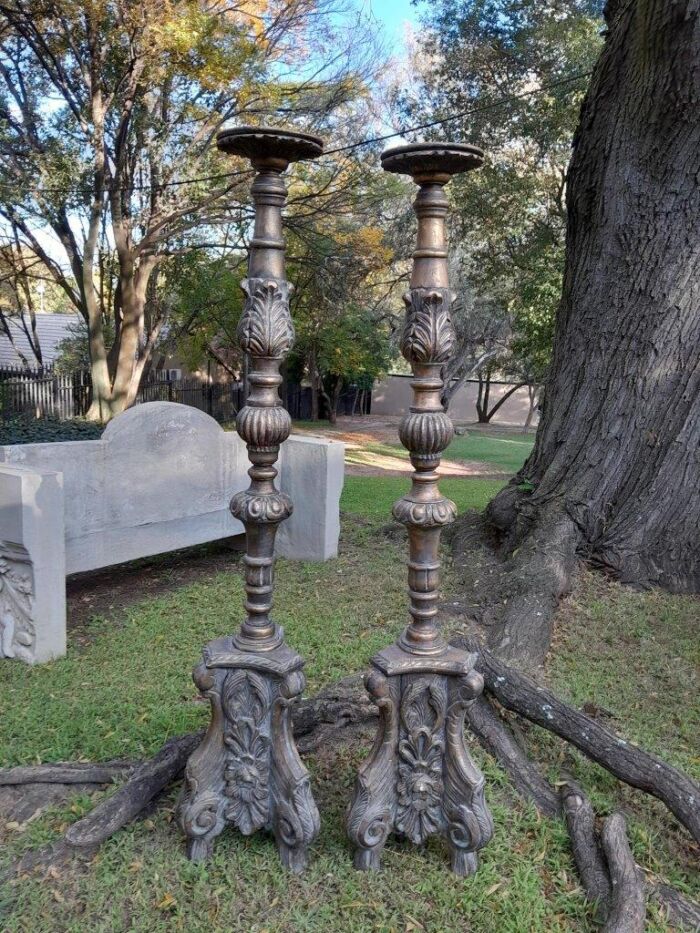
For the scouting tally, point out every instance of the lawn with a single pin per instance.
(498, 451)
(507, 452)
(125, 687)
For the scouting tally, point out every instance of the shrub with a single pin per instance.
(25, 430)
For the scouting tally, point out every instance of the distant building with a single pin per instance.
(51, 330)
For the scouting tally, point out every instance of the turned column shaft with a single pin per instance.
(427, 342)
(266, 334)
(267, 246)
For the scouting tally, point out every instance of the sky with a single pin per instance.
(393, 14)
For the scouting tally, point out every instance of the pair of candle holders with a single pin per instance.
(419, 779)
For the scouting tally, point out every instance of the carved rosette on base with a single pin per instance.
(247, 772)
(419, 779)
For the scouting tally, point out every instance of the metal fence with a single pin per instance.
(47, 394)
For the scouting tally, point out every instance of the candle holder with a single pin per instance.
(247, 772)
(419, 779)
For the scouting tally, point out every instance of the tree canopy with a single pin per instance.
(108, 112)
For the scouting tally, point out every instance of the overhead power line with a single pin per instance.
(495, 105)
(464, 113)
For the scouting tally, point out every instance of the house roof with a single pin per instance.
(51, 330)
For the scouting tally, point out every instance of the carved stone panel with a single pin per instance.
(17, 633)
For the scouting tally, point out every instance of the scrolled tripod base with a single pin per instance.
(247, 772)
(419, 779)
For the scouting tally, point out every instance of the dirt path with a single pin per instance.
(361, 435)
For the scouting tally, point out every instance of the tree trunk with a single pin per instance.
(613, 476)
(482, 399)
(315, 390)
(332, 398)
(533, 394)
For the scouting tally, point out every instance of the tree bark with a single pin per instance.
(613, 476)
(627, 908)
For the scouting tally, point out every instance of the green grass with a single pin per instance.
(507, 452)
(373, 496)
(503, 453)
(128, 688)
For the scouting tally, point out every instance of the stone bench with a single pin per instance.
(159, 479)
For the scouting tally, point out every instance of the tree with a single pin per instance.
(108, 110)
(613, 476)
(207, 305)
(483, 333)
(516, 72)
(340, 317)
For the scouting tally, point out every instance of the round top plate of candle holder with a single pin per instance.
(427, 158)
(261, 142)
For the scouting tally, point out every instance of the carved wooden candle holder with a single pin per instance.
(247, 771)
(419, 779)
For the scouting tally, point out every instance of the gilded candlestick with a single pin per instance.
(247, 772)
(419, 779)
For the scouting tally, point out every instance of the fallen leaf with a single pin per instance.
(413, 924)
(167, 903)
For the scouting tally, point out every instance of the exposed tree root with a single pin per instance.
(678, 910)
(609, 875)
(68, 772)
(145, 783)
(515, 584)
(589, 858)
(498, 739)
(627, 911)
(631, 764)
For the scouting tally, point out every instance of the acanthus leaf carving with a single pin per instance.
(421, 751)
(246, 705)
(428, 335)
(265, 328)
